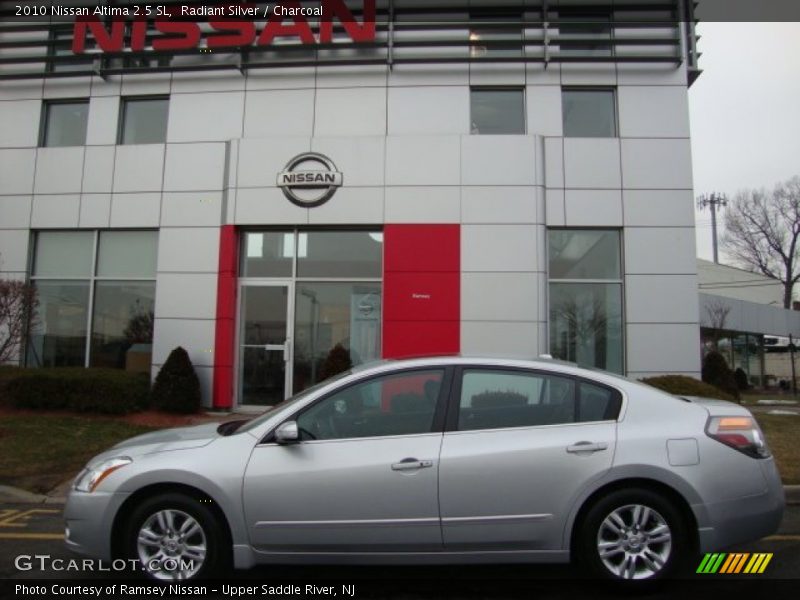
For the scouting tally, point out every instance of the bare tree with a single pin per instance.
(762, 231)
(18, 303)
(717, 312)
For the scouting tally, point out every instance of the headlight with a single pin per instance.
(91, 477)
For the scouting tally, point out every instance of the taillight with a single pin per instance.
(741, 433)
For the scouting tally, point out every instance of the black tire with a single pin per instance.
(194, 525)
(634, 554)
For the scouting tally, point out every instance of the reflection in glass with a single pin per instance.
(65, 124)
(586, 324)
(127, 254)
(337, 325)
(122, 325)
(340, 254)
(267, 254)
(584, 254)
(59, 335)
(589, 113)
(263, 369)
(144, 121)
(497, 111)
(63, 254)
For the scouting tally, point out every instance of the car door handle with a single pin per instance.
(581, 447)
(410, 464)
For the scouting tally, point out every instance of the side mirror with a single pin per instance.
(287, 433)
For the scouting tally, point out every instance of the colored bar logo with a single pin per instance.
(735, 562)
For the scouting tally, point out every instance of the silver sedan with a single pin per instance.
(436, 461)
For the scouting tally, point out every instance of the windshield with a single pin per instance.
(289, 401)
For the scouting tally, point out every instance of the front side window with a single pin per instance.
(497, 111)
(492, 399)
(144, 120)
(96, 299)
(64, 123)
(397, 404)
(586, 297)
(589, 112)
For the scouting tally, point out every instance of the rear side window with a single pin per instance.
(597, 403)
(493, 399)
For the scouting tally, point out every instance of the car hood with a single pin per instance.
(179, 438)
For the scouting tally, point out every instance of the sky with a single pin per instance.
(744, 111)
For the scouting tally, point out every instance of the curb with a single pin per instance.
(14, 495)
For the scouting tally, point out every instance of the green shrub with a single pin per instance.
(740, 377)
(681, 385)
(177, 388)
(717, 373)
(107, 391)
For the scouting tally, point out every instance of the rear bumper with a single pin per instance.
(744, 519)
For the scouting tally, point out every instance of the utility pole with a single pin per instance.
(713, 200)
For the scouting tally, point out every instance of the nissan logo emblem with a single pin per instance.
(305, 184)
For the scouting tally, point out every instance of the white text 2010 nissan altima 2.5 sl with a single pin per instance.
(435, 461)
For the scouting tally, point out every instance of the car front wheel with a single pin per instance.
(175, 537)
(633, 535)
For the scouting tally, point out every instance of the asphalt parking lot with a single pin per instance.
(35, 530)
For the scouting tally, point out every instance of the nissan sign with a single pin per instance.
(309, 179)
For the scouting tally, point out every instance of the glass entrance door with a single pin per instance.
(265, 344)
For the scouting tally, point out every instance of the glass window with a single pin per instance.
(122, 325)
(586, 297)
(497, 111)
(127, 254)
(589, 113)
(584, 254)
(495, 35)
(340, 254)
(587, 34)
(60, 48)
(492, 399)
(268, 254)
(597, 403)
(63, 254)
(58, 336)
(337, 325)
(586, 324)
(144, 120)
(399, 404)
(65, 123)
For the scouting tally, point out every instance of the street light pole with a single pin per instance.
(713, 200)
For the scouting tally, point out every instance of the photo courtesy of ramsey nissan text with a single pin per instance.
(373, 299)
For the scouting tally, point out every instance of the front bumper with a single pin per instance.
(89, 518)
(745, 519)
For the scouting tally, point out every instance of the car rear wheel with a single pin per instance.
(176, 537)
(633, 535)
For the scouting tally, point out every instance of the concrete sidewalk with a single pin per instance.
(58, 495)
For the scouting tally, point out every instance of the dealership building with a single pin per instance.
(286, 197)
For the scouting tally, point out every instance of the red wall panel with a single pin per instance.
(422, 290)
(225, 330)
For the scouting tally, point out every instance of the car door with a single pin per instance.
(364, 475)
(518, 448)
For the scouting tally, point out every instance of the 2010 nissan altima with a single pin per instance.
(435, 461)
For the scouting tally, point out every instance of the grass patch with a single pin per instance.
(781, 432)
(37, 452)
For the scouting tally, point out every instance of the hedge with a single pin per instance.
(681, 385)
(108, 391)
